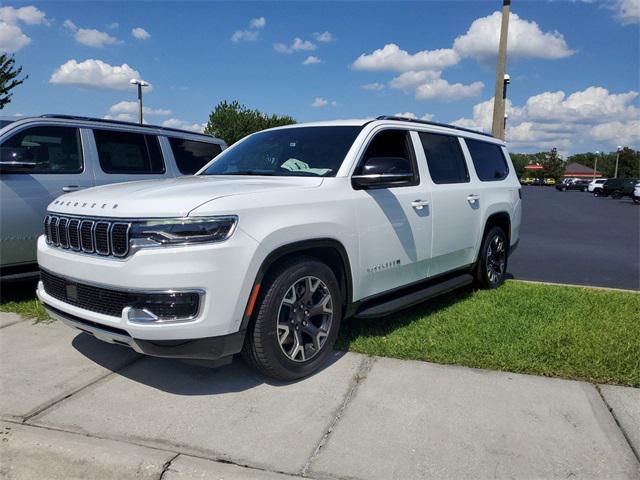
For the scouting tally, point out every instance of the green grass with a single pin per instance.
(548, 330)
(541, 329)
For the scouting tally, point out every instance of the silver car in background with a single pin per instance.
(43, 157)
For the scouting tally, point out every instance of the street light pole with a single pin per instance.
(140, 84)
(499, 97)
(595, 164)
(615, 175)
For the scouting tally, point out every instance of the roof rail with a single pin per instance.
(435, 124)
(120, 122)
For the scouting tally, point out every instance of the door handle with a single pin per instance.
(72, 188)
(472, 198)
(419, 204)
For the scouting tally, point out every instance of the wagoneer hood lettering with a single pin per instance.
(168, 198)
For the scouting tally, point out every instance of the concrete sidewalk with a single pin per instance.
(74, 407)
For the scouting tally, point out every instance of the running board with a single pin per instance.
(414, 297)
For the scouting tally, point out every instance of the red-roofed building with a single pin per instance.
(576, 170)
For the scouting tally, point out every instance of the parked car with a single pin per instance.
(526, 181)
(550, 181)
(538, 182)
(636, 194)
(580, 185)
(280, 237)
(595, 186)
(618, 187)
(43, 157)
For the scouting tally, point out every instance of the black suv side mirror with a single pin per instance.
(383, 172)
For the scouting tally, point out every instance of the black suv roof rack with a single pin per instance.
(427, 122)
(119, 122)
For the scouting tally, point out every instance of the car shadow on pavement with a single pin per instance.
(180, 377)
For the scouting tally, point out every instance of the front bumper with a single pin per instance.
(209, 348)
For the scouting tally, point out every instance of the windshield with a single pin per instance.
(296, 151)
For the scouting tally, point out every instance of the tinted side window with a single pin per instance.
(191, 156)
(45, 150)
(488, 160)
(127, 152)
(392, 148)
(445, 158)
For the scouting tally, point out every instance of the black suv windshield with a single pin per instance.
(296, 151)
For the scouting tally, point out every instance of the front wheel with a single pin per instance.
(296, 321)
(636, 200)
(491, 267)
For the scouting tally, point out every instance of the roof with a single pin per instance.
(577, 169)
(111, 122)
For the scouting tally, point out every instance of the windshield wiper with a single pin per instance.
(249, 172)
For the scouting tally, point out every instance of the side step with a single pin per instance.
(414, 297)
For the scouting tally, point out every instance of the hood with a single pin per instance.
(174, 197)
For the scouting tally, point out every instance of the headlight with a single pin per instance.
(182, 231)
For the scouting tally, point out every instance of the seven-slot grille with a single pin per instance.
(90, 236)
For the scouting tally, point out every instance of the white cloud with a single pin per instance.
(412, 79)
(257, 23)
(11, 38)
(89, 36)
(123, 117)
(617, 133)
(132, 108)
(440, 89)
(319, 102)
(297, 45)
(392, 57)
(374, 86)
(525, 40)
(29, 15)
(426, 116)
(252, 33)
(184, 125)
(553, 119)
(324, 37)
(113, 25)
(311, 60)
(140, 33)
(95, 74)
(627, 11)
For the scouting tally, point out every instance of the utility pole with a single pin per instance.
(499, 97)
(595, 164)
(140, 84)
(615, 175)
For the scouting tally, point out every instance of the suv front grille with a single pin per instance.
(90, 236)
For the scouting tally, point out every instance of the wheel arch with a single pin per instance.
(328, 250)
(500, 219)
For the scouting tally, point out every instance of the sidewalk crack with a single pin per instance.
(166, 466)
(615, 419)
(357, 379)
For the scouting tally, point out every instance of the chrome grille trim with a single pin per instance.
(91, 236)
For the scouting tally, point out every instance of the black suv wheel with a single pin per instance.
(491, 267)
(296, 320)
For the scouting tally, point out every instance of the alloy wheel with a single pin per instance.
(304, 318)
(496, 259)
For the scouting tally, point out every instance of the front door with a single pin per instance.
(394, 224)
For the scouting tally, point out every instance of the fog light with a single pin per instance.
(164, 307)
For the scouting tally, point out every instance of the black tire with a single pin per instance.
(481, 271)
(262, 348)
(616, 195)
(584, 189)
(636, 200)
(563, 189)
(597, 192)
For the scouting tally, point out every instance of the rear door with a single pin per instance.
(125, 156)
(455, 202)
(54, 161)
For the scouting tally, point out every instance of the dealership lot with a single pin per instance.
(576, 238)
(104, 412)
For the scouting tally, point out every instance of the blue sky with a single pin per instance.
(574, 64)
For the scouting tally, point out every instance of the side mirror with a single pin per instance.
(15, 160)
(383, 172)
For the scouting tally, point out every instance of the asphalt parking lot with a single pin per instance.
(574, 237)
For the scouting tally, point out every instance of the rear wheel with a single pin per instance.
(636, 200)
(597, 192)
(297, 320)
(491, 267)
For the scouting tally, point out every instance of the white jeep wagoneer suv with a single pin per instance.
(282, 236)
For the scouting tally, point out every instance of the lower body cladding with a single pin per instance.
(185, 302)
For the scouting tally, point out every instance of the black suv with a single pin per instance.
(580, 185)
(619, 187)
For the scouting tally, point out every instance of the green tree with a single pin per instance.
(554, 166)
(8, 78)
(629, 163)
(233, 121)
(520, 160)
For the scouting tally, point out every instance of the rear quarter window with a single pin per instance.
(191, 155)
(128, 152)
(488, 160)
